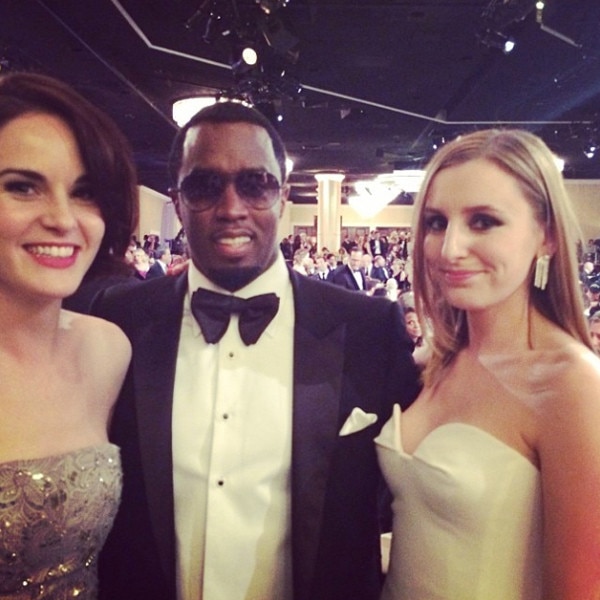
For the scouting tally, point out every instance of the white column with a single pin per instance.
(329, 194)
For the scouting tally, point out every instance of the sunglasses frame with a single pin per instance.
(263, 202)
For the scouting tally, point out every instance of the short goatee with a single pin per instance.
(233, 279)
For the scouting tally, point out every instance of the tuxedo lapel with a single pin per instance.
(352, 279)
(156, 342)
(318, 362)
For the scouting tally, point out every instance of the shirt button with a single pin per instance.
(231, 355)
(225, 416)
(220, 483)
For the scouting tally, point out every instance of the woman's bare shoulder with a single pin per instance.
(96, 339)
(572, 384)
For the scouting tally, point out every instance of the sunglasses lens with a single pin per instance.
(202, 189)
(256, 185)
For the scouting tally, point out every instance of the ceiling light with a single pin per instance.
(539, 10)
(438, 139)
(244, 59)
(590, 150)
(269, 6)
(249, 55)
(495, 39)
(183, 110)
(372, 196)
(367, 207)
(407, 180)
(560, 163)
(509, 45)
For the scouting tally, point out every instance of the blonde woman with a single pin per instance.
(495, 469)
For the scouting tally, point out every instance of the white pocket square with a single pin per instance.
(357, 421)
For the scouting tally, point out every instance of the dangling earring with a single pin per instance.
(542, 266)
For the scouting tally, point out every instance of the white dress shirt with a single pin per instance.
(232, 436)
(358, 278)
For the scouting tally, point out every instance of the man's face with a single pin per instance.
(230, 242)
(593, 295)
(355, 260)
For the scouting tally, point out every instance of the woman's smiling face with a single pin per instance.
(481, 235)
(50, 225)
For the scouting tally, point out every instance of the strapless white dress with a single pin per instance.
(467, 517)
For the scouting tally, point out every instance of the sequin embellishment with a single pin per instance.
(55, 514)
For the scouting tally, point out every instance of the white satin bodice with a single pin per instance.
(467, 516)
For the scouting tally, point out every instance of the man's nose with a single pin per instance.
(231, 203)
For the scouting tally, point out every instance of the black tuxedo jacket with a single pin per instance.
(343, 277)
(155, 271)
(380, 273)
(383, 248)
(334, 480)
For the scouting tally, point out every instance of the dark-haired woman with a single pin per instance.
(68, 201)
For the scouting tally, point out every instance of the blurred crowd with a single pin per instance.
(385, 268)
(386, 262)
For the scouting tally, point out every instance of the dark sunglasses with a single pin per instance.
(203, 188)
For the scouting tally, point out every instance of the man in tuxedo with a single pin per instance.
(351, 275)
(379, 270)
(321, 269)
(248, 457)
(162, 260)
(377, 244)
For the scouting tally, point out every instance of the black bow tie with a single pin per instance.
(213, 310)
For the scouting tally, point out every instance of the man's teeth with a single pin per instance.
(54, 251)
(236, 241)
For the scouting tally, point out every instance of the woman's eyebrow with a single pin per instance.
(23, 172)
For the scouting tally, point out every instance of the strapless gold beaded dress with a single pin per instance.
(55, 514)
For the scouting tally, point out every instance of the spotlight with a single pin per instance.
(590, 150)
(509, 46)
(244, 60)
(495, 39)
(438, 141)
(249, 55)
(539, 11)
(270, 6)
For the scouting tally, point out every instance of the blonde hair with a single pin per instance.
(525, 157)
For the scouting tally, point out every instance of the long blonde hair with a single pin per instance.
(525, 157)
